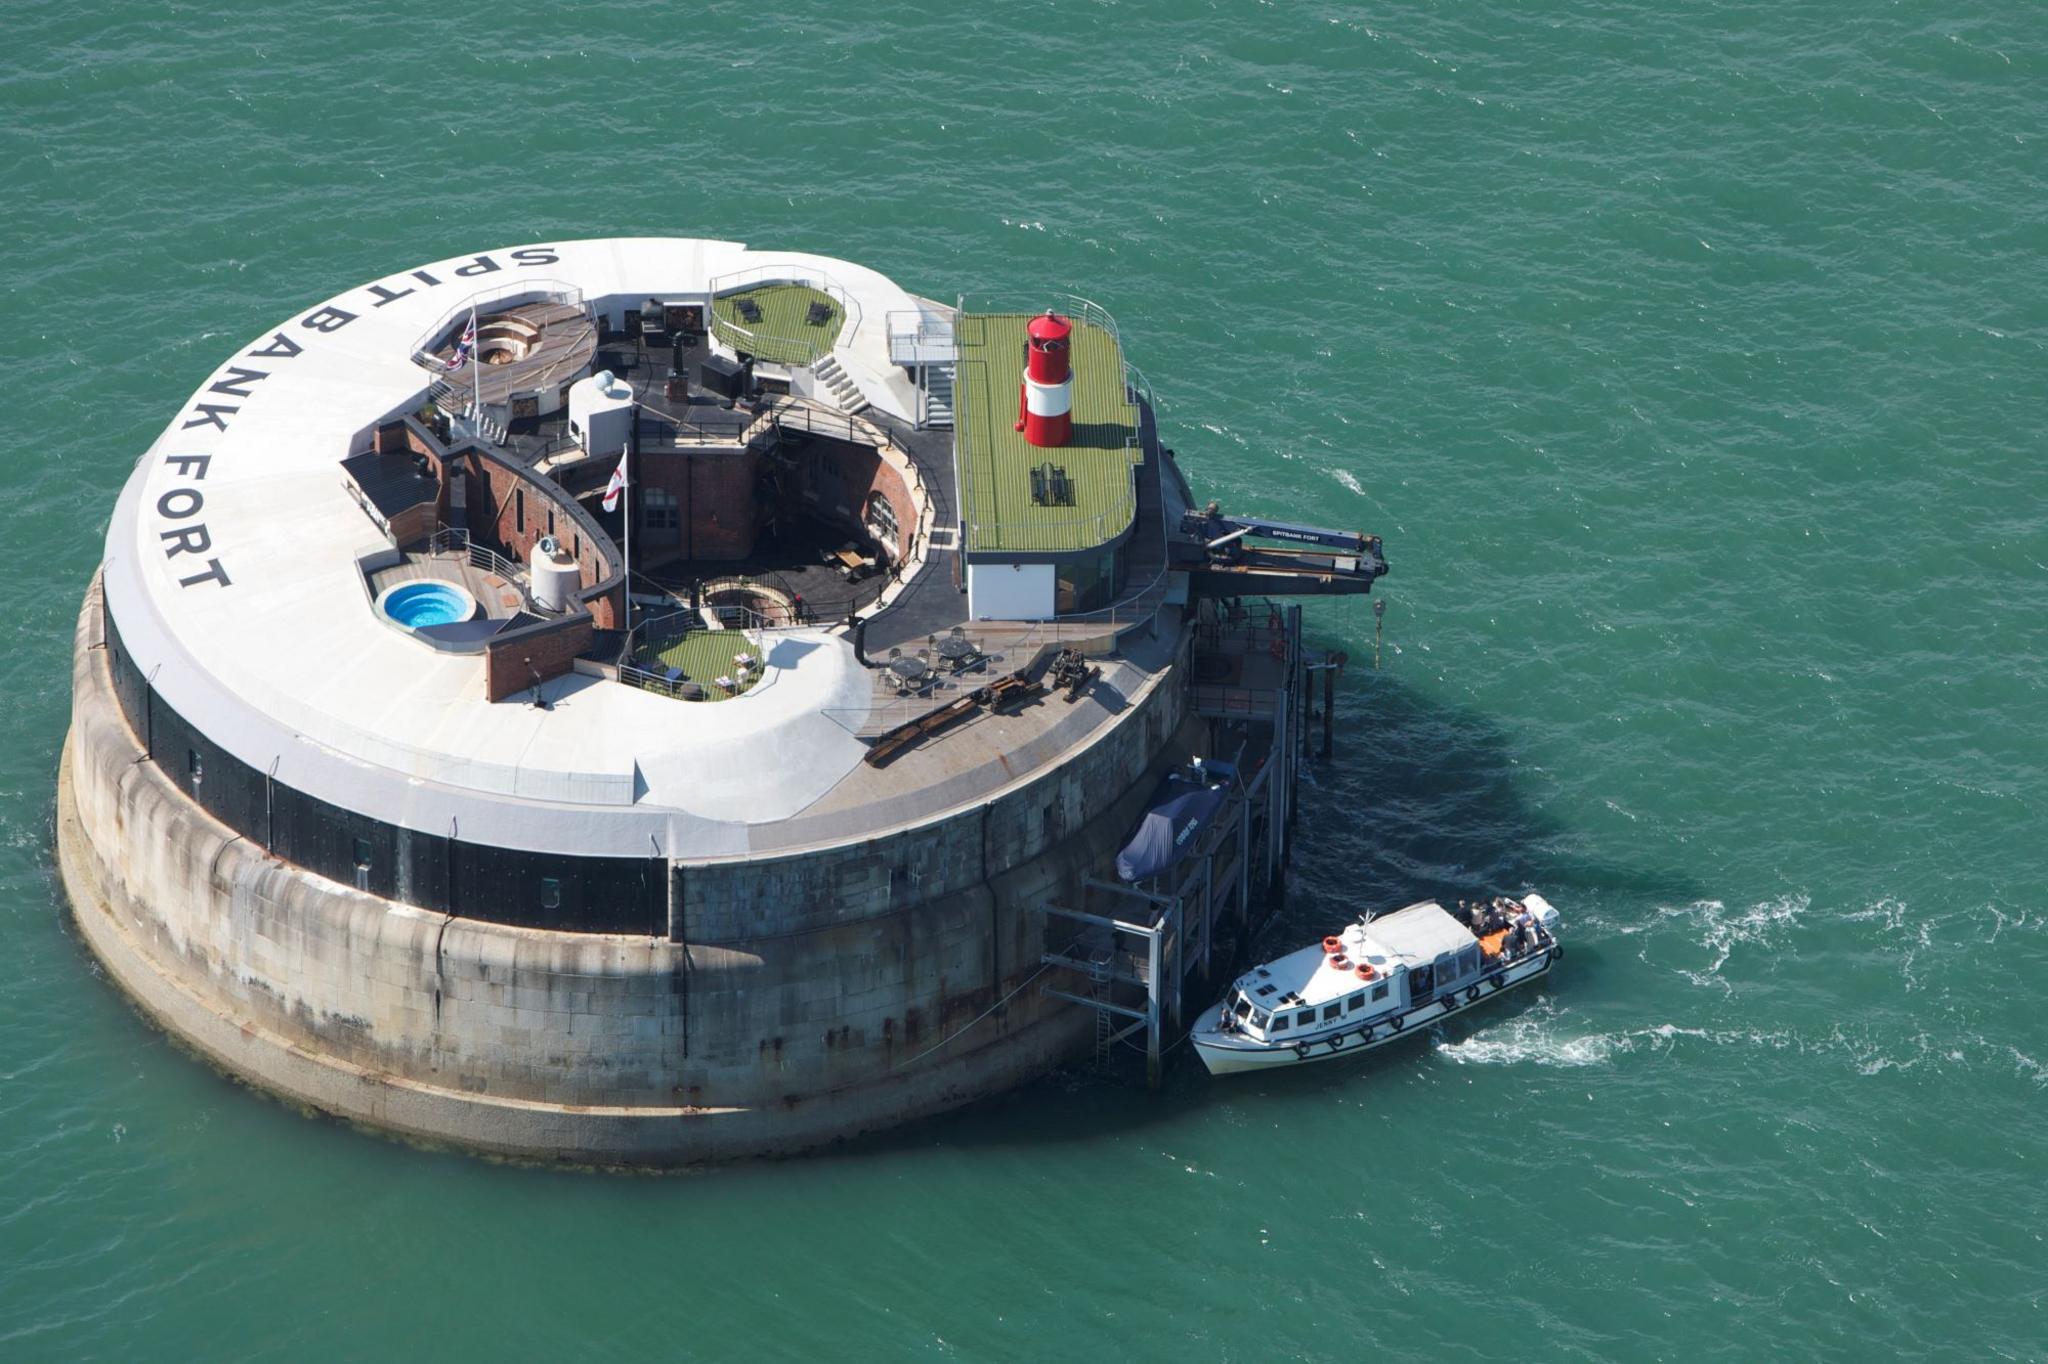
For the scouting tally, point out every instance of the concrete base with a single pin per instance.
(562, 1047)
(580, 1134)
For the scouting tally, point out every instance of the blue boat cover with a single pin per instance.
(1180, 810)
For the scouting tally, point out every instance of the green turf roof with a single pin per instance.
(785, 335)
(704, 656)
(996, 461)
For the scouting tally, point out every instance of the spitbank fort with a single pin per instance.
(647, 701)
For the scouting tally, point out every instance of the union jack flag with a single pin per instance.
(462, 347)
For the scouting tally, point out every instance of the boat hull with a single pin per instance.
(1230, 1054)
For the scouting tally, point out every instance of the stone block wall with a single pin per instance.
(796, 1000)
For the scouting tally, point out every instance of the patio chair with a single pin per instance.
(819, 314)
(750, 311)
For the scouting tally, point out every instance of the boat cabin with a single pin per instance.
(1414, 955)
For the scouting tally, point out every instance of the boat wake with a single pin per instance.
(1532, 1038)
(1719, 933)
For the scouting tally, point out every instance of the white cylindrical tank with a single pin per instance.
(601, 413)
(554, 575)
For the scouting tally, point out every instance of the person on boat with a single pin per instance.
(1524, 932)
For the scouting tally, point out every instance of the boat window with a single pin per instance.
(1259, 1021)
(1265, 990)
(1304, 1018)
(1355, 1003)
(1279, 1022)
(1244, 1007)
(1379, 992)
(1331, 1011)
(1468, 960)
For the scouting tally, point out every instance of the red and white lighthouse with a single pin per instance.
(1045, 402)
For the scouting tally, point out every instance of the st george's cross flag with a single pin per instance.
(617, 485)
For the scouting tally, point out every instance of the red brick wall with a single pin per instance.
(398, 433)
(509, 665)
(511, 524)
(414, 524)
(715, 498)
(843, 476)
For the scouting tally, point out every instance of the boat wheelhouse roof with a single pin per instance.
(1415, 936)
(1419, 934)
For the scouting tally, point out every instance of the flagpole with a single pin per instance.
(476, 375)
(626, 456)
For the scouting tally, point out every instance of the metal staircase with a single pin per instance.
(938, 395)
(838, 386)
(461, 407)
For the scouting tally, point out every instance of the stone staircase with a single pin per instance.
(835, 384)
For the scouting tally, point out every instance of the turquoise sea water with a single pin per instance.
(1689, 358)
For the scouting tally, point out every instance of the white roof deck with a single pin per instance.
(285, 665)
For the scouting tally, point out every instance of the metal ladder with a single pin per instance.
(1105, 1021)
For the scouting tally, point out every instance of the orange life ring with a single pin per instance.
(1333, 945)
(1365, 971)
(1340, 962)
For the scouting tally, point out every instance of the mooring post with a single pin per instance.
(1329, 702)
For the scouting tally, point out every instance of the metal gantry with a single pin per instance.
(1140, 947)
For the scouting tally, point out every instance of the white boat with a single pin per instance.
(1379, 980)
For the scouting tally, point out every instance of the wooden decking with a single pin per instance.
(501, 600)
(562, 351)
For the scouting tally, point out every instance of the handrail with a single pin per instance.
(930, 330)
(1126, 508)
(783, 272)
(451, 539)
(559, 291)
(741, 620)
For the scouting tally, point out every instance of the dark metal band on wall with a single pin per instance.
(430, 871)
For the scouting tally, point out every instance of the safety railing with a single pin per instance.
(754, 340)
(456, 540)
(1043, 534)
(1038, 533)
(917, 337)
(914, 680)
(640, 658)
(513, 291)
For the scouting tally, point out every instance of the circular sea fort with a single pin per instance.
(383, 794)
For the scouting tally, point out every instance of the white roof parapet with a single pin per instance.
(230, 571)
